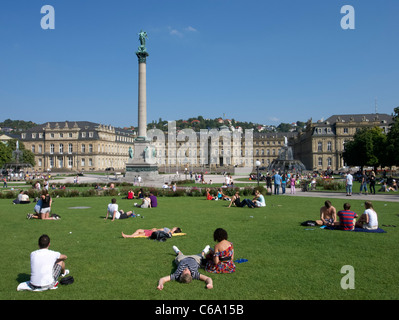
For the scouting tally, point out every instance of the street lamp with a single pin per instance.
(257, 163)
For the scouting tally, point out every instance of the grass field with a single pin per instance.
(285, 260)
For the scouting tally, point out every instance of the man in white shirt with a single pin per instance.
(349, 183)
(46, 266)
(115, 213)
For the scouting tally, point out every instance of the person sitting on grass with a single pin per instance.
(187, 269)
(208, 195)
(222, 196)
(114, 212)
(259, 200)
(46, 265)
(153, 200)
(22, 198)
(130, 194)
(146, 202)
(220, 260)
(368, 220)
(147, 232)
(328, 215)
(347, 218)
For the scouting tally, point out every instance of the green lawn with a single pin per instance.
(285, 260)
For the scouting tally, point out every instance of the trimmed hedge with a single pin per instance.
(73, 191)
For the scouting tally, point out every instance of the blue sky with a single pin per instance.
(261, 61)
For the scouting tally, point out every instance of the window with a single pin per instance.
(90, 148)
(320, 161)
(33, 148)
(61, 135)
(39, 162)
(90, 162)
(40, 149)
(91, 134)
(33, 135)
(51, 162)
(319, 146)
(329, 161)
(61, 148)
(346, 130)
(329, 146)
(52, 148)
(70, 135)
(83, 134)
(60, 162)
(70, 162)
(70, 148)
(52, 135)
(82, 162)
(83, 148)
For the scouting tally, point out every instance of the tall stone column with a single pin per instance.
(142, 160)
(142, 101)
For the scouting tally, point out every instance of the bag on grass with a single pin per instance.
(308, 223)
(67, 280)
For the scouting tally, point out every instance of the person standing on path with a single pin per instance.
(349, 183)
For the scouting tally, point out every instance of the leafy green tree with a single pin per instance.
(392, 155)
(5, 154)
(367, 148)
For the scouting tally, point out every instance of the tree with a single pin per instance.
(392, 155)
(368, 148)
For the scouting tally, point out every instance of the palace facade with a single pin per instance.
(86, 146)
(78, 146)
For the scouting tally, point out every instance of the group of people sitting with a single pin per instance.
(42, 208)
(219, 196)
(348, 220)
(257, 202)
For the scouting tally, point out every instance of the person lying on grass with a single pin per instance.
(147, 232)
(187, 269)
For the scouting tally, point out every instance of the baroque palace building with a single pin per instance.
(78, 146)
(84, 146)
(321, 145)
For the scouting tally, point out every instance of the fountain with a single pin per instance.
(16, 166)
(285, 161)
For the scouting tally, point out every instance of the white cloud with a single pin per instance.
(191, 29)
(175, 32)
(181, 33)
